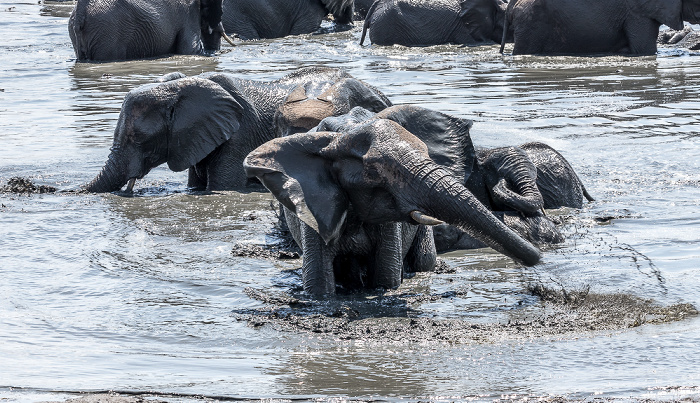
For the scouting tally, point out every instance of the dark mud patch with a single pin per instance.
(393, 316)
(283, 247)
(25, 186)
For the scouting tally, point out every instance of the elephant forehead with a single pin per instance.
(389, 135)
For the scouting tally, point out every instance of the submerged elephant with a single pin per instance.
(434, 22)
(596, 27)
(106, 30)
(209, 123)
(358, 201)
(517, 184)
(259, 19)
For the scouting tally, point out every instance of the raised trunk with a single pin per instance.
(526, 198)
(112, 177)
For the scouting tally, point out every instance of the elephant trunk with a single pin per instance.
(517, 188)
(450, 201)
(112, 177)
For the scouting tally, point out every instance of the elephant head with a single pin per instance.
(312, 102)
(510, 178)
(180, 122)
(210, 13)
(384, 174)
(484, 19)
(342, 10)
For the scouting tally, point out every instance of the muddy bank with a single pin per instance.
(390, 317)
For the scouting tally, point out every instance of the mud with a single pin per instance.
(25, 186)
(389, 317)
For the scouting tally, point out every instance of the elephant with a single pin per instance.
(517, 184)
(360, 202)
(597, 27)
(267, 19)
(209, 123)
(435, 22)
(687, 38)
(109, 30)
(361, 8)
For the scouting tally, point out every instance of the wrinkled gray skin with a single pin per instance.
(434, 22)
(517, 183)
(594, 27)
(260, 19)
(209, 123)
(351, 197)
(106, 30)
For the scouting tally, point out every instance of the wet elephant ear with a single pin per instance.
(293, 169)
(447, 137)
(203, 117)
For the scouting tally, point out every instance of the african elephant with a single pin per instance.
(596, 27)
(434, 22)
(361, 8)
(106, 30)
(209, 123)
(517, 183)
(259, 19)
(687, 38)
(358, 202)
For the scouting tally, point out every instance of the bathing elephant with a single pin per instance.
(596, 27)
(434, 22)
(359, 202)
(260, 19)
(687, 38)
(107, 30)
(517, 183)
(209, 123)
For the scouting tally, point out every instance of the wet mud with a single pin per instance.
(25, 186)
(391, 317)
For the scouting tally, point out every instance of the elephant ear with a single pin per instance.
(667, 12)
(447, 137)
(203, 117)
(293, 169)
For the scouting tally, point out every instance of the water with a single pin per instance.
(105, 292)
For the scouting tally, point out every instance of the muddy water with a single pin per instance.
(107, 292)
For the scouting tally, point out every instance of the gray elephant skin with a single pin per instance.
(266, 19)
(517, 184)
(209, 123)
(595, 27)
(108, 30)
(358, 201)
(434, 22)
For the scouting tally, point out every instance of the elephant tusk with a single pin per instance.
(130, 186)
(425, 219)
(544, 214)
(223, 34)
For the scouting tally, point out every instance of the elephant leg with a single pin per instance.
(422, 256)
(388, 262)
(317, 269)
(197, 177)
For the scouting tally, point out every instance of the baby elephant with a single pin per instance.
(435, 22)
(106, 30)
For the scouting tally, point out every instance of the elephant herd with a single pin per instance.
(104, 30)
(370, 190)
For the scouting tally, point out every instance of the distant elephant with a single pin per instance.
(517, 183)
(107, 30)
(435, 22)
(265, 19)
(686, 38)
(596, 27)
(209, 123)
(359, 202)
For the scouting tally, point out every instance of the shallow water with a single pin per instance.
(106, 292)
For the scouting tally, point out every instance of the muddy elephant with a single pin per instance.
(107, 30)
(360, 201)
(265, 19)
(687, 38)
(426, 23)
(596, 27)
(517, 184)
(209, 123)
